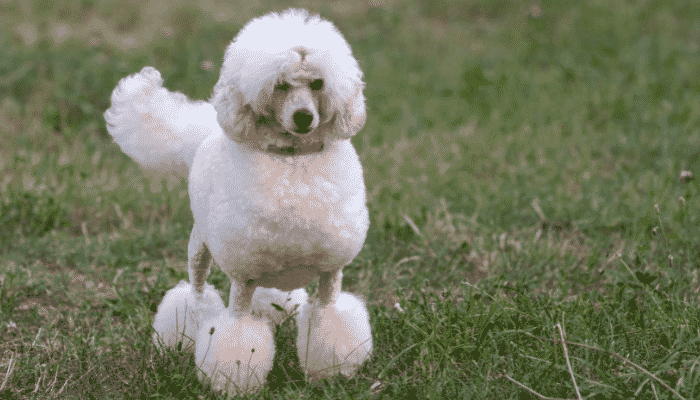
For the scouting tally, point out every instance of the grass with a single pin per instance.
(514, 156)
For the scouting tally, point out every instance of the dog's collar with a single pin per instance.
(314, 147)
(282, 142)
(297, 145)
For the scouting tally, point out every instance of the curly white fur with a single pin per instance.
(267, 50)
(159, 129)
(179, 315)
(276, 190)
(347, 336)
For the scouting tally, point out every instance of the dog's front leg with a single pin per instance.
(235, 350)
(241, 297)
(329, 286)
(334, 331)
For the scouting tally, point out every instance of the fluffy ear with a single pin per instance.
(352, 113)
(234, 117)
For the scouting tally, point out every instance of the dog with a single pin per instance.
(277, 194)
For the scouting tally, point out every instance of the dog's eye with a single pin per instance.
(282, 86)
(316, 85)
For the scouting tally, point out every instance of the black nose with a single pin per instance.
(303, 119)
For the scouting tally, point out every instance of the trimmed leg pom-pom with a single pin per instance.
(180, 314)
(235, 354)
(334, 339)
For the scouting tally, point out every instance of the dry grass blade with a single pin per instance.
(623, 359)
(64, 385)
(505, 375)
(568, 362)
(10, 368)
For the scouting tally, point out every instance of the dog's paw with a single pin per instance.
(334, 339)
(181, 312)
(235, 354)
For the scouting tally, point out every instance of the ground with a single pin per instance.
(532, 230)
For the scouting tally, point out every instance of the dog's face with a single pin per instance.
(297, 99)
(289, 94)
(295, 119)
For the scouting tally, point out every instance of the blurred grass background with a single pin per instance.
(517, 146)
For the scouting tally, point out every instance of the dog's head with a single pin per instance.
(289, 83)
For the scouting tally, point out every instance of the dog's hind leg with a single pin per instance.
(208, 300)
(199, 260)
(188, 304)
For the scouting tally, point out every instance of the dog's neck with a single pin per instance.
(310, 148)
(280, 143)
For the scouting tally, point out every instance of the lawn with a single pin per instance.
(534, 219)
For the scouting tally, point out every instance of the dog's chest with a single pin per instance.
(283, 213)
(299, 193)
(309, 204)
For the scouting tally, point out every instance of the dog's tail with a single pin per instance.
(159, 129)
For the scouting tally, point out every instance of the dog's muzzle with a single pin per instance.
(302, 121)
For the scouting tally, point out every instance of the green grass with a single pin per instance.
(513, 156)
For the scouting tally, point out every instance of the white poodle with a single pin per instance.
(277, 194)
